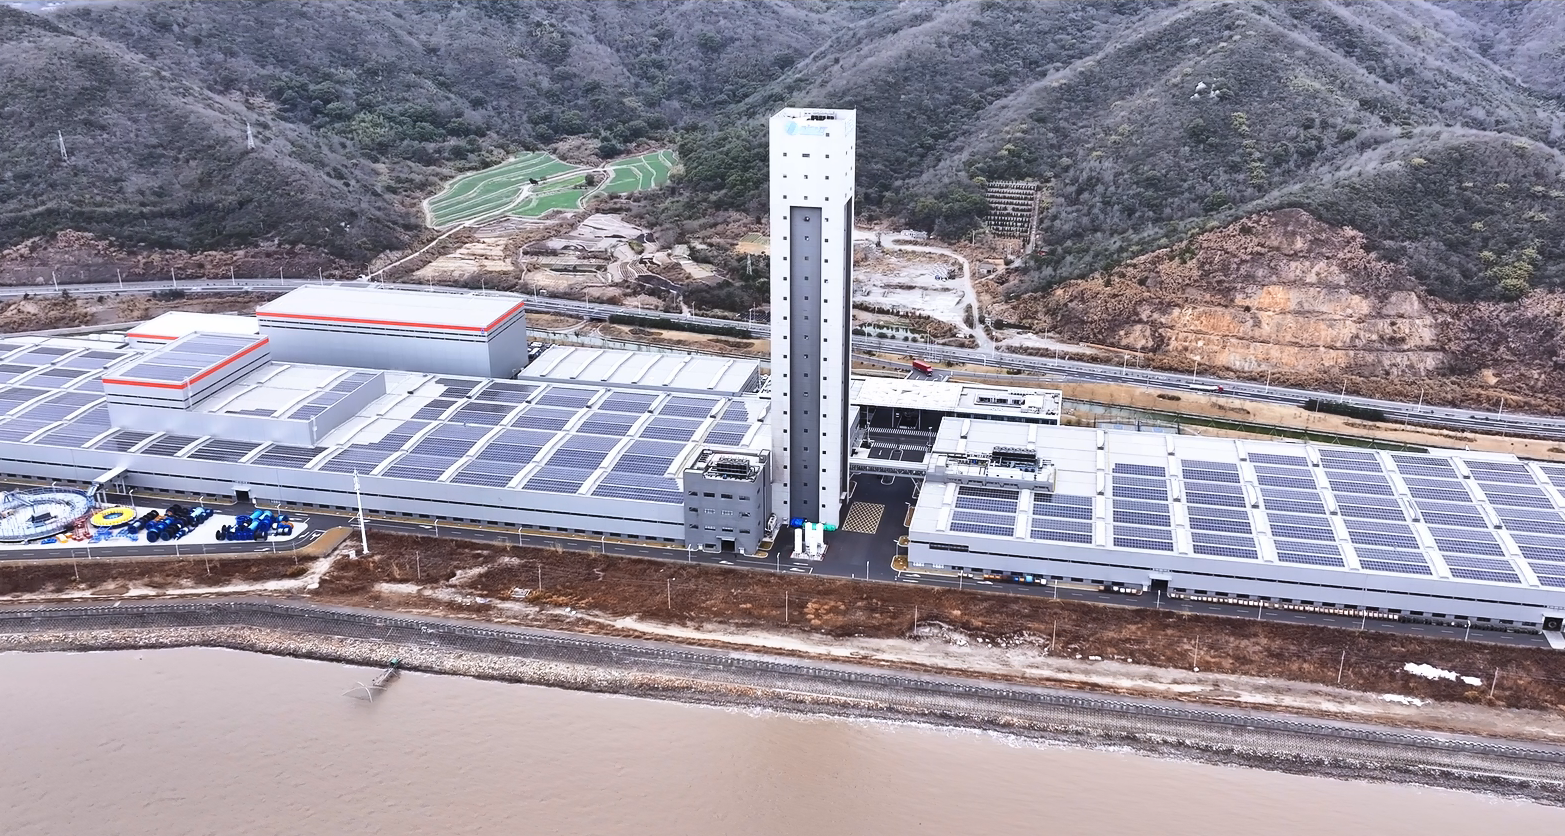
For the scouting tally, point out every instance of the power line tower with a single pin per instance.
(249, 137)
(63, 156)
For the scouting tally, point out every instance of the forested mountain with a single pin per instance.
(1435, 128)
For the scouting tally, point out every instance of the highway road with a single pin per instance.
(1470, 420)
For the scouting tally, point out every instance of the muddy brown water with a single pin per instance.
(211, 741)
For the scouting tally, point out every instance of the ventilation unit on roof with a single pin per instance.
(1020, 458)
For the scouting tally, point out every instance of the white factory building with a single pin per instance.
(427, 403)
(1448, 536)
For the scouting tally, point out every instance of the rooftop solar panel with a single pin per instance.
(284, 455)
(169, 445)
(1132, 469)
(220, 450)
(122, 441)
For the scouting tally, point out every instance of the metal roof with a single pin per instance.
(171, 326)
(519, 435)
(953, 397)
(376, 305)
(618, 367)
(1474, 518)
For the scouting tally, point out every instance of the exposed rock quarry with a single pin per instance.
(1280, 291)
(1283, 293)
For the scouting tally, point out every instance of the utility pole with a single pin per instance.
(364, 537)
(1341, 665)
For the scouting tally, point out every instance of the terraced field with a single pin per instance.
(535, 183)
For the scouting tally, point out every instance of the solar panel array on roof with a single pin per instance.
(80, 430)
(219, 450)
(186, 358)
(284, 455)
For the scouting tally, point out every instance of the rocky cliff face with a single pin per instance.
(1283, 294)
(1279, 291)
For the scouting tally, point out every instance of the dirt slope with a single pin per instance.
(1283, 294)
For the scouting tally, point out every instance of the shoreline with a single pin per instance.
(1208, 740)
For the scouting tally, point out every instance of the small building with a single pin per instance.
(920, 405)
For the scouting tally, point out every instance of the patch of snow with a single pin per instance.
(1432, 672)
(1398, 698)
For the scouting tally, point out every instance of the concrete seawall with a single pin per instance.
(667, 671)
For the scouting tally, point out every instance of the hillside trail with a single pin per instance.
(896, 241)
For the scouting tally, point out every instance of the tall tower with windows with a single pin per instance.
(812, 295)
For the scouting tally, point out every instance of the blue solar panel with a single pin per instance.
(1295, 506)
(1061, 536)
(1141, 493)
(1303, 533)
(1137, 518)
(1077, 526)
(1200, 464)
(1482, 575)
(1542, 553)
(1284, 482)
(1398, 568)
(1206, 538)
(1139, 482)
(978, 528)
(1371, 512)
(1073, 512)
(1309, 548)
(984, 517)
(1225, 551)
(1214, 499)
(1001, 493)
(1139, 469)
(1390, 541)
(1535, 526)
(1308, 559)
(1137, 537)
(1210, 476)
(1121, 504)
(1211, 524)
(1273, 458)
(979, 503)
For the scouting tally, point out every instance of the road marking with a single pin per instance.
(863, 518)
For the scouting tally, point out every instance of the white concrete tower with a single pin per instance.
(812, 295)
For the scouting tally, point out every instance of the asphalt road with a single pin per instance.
(1497, 422)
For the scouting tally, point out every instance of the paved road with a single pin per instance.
(1472, 420)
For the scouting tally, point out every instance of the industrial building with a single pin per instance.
(812, 182)
(422, 405)
(1448, 536)
(481, 335)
